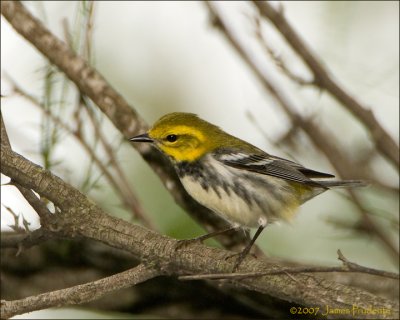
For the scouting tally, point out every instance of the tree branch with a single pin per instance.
(36, 203)
(4, 137)
(348, 266)
(81, 217)
(78, 294)
(92, 260)
(25, 240)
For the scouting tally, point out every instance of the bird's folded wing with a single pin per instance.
(272, 166)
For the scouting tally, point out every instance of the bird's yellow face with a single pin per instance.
(180, 142)
(182, 136)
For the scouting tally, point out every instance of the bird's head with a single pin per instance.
(184, 136)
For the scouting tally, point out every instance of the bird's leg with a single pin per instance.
(246, 250)
(213, 234)
(204, 237)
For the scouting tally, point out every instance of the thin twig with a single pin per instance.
(352, 266)
(87, 52)
(130, 199)
(280, 63)
(39, 206)
(348, 266)
(126, 193)
(16, 226)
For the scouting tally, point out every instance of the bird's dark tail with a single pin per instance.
(342, 183)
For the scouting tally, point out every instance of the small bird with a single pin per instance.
(244, 185)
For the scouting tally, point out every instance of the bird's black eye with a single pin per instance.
(172, 137)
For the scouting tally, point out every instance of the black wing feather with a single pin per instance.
(309, 173)
(272, 166)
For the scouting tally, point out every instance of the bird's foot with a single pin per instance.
(239, 258)
(200, 239)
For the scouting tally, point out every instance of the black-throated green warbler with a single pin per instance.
(236, 180)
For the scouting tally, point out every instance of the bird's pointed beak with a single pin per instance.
(142, 138)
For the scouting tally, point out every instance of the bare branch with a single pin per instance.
(40, 208)
(16, 226)
(82, 218)
(4, 137)
(351, 266)
(280, 63)
(322, 78)
(89, 30)
(348, 266)
(101, 261)
(129, 197)
(25, 240)
(78, 294)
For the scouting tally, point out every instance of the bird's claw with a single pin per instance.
(239, 258)
(186, 242)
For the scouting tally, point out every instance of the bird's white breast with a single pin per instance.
(230, 207)
(243, 198)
